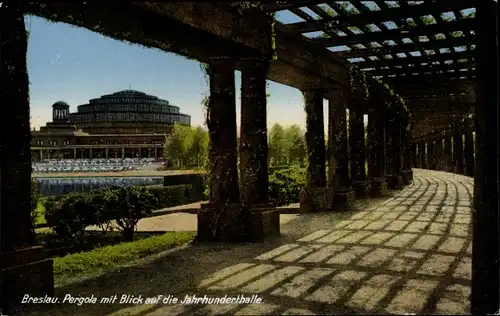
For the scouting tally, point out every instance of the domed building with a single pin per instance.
(123, 124)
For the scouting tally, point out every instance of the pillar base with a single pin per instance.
(318, 199)
(407, 176)
(362, 188)
(237, 223)
(394, 182)
(344, 199)
(24, 271)
(379, 187)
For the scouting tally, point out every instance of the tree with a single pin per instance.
(187, 146)
(277, 144)
(296, 144)
(178, 143)
(199, 145)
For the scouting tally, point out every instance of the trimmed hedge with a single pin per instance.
(69, 215)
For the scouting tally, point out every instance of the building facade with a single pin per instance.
(125, 124)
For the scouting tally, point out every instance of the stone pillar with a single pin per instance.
(469, 148)
(224, 218)
(315, 199)
(90, 153)
(156, 153)
(422, 158)
(254, 181)
(358, 152)
(448, 159)
(74, 153)
(458, 152)
(485, 292)
(106, 152)
(438, 151)
(414, 155)
(344, 195)
(406, 172)
(376, 151)
(24, 269)
(123, 153)
(41, 154)
(393, 149)
(431, 157)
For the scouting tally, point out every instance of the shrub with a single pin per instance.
(69, 216)
(285, 185)
(128, 206)
(101, 202)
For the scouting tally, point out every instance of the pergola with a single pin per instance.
(424, 50)
(424, 71)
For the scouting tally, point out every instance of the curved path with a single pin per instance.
(409, 254)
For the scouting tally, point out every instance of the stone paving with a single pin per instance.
(411, 254)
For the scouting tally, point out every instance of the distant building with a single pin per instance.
(125, 124)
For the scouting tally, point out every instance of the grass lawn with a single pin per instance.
(108, 258)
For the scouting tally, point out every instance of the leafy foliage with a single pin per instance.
(186, 146)
(121, 208)
(285, 185)
(287, 145)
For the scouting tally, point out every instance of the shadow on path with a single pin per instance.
(409, 254)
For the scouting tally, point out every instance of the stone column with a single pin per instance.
(485, 292)
(422, 158)
(448, 163)
(23, 267)
(438, 151)
(407, 172)
(156, 152)
(431, 162)
(315, 194)
(74, 153)
(224, 218)
(254, 182)
(393, 149)
(253, 134)
(338, 170)
(376, 150)
(458, 151)
(106, 152)
(123, 153)
(414, 155)
(469, 148)
(358, 151)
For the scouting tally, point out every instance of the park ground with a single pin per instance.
(408, 254)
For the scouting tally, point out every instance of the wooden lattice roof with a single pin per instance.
(415, 46)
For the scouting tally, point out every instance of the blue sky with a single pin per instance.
(74, 65)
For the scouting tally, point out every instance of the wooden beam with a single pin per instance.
(134, 24)
(410, 47)
(433, 80)
(287, 5)
(393, 34)
(393, 14)
(421, 70)
(415, 60)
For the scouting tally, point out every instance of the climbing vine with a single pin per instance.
(358, 77)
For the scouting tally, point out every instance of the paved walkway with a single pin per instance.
(409, 254)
